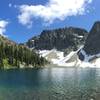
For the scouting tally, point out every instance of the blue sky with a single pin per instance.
(22, 19)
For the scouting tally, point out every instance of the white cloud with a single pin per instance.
(53, 9)
(10, 5)
(3, 25)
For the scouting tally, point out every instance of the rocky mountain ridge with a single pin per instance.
(87, 55)
(83, 48)
(61, 39)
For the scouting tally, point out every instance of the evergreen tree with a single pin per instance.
(14, 55)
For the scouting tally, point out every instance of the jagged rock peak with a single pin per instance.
(60, 39)
(96, 28)
(92, 45)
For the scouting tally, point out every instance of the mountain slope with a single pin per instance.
(92, 45)
(85, 56)
(61, 39)
(13, 55)
(89, 54)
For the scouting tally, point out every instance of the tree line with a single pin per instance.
(16, 55)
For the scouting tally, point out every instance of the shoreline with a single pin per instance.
(48, 66)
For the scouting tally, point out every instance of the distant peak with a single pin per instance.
(96, 28)
(97, 23)
(92, 45)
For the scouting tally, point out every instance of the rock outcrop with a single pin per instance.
(60, 39)
(92, 45)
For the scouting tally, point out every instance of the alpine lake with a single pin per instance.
(50, 84)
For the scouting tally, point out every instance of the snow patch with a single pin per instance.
(72, 60)
(78, 36)
(43, 53)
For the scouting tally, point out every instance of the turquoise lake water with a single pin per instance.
(50, 84)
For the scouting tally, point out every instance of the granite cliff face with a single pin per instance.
(60, 39)
(92, 45)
